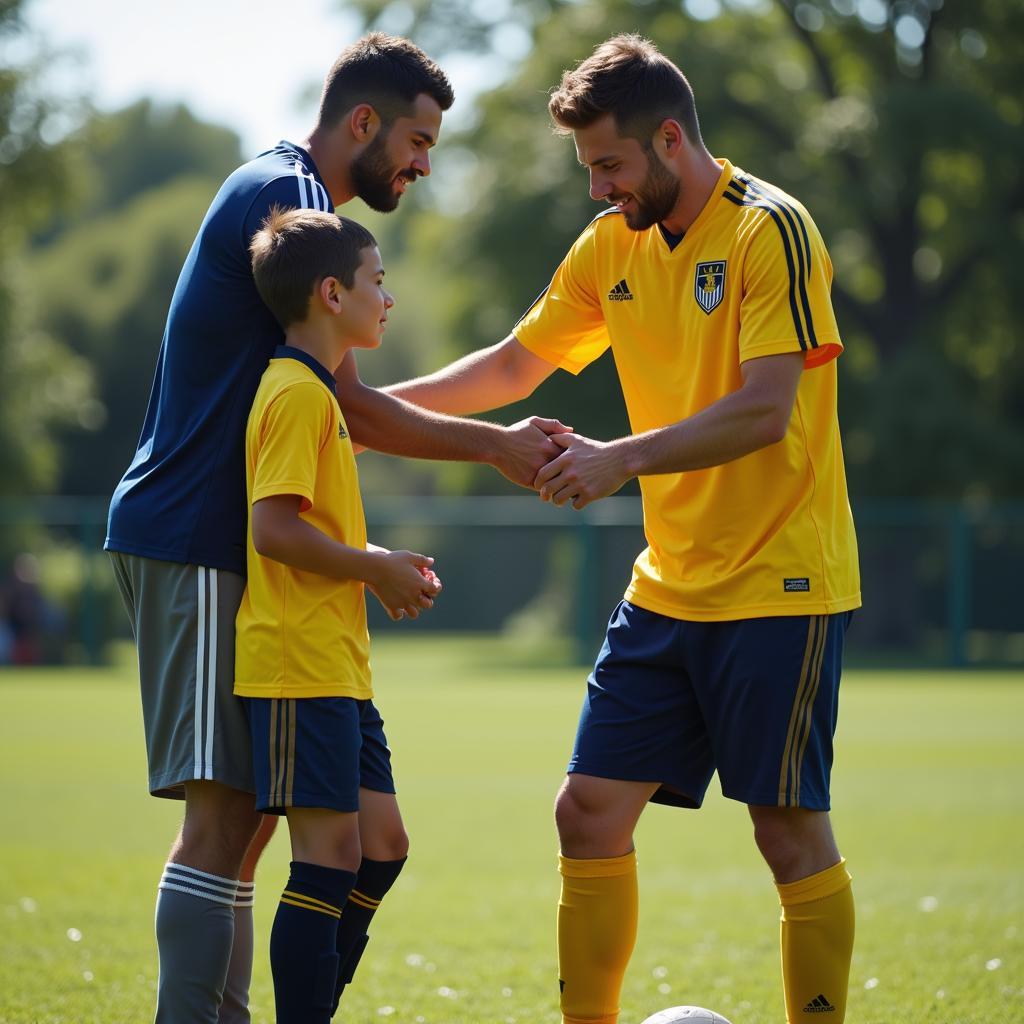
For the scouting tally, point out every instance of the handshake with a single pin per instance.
(561, 466)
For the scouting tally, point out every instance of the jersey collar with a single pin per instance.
(323, 374)
(304, 155)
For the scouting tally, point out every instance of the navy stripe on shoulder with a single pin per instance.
(605, 212)
(787, 249)
(794, 219)
(529, 308)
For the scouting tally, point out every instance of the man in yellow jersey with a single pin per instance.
(712, 289)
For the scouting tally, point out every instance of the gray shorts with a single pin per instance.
(183, 619)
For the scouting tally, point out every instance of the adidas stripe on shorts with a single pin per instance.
(183, 619)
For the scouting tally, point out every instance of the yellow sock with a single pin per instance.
(817, 944)
(597, 916)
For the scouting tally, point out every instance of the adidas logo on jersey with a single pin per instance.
(819, 1005)
(341, 432)
(621, 292)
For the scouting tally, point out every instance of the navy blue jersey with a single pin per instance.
(182, 498)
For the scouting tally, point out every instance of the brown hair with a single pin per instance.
(629, 78)
(387, 72)
(294, 250)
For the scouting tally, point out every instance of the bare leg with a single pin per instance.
(235, 1007)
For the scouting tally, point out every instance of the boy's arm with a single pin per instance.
(279, 533)
(392, 420)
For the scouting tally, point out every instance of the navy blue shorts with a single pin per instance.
(317, 752)
(671, 702)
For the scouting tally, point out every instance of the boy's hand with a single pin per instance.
(431, 577)
(401, 582)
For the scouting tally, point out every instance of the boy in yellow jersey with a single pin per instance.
(302, 647)
(712, 289)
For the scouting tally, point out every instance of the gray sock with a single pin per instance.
(235, 1008)
(195, 926)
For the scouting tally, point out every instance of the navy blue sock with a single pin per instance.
(303, 957)
(374, 880)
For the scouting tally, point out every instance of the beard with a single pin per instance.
(656, 197)
(373, 176)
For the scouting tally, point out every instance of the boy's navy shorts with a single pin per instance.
(317, 752)
(672, 701)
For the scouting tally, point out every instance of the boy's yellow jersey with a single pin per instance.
(767, 534)
(300, 634)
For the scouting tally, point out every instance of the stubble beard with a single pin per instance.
(373, 176)
(656, 198)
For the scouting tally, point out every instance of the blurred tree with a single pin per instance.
(137, 149)
(897, 122)
(145, 177)
(43, 384)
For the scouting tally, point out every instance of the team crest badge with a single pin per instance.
(709, 284)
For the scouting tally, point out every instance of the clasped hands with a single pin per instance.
(560, 465)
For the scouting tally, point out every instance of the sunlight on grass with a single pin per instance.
(928, 809)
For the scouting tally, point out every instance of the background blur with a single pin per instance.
(899, 125)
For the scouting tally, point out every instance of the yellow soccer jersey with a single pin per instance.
(299, 634)
(767, 534)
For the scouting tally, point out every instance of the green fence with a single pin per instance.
(941, 581)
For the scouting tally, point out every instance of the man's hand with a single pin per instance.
(585, 471)
(526, 446)
(403, 582)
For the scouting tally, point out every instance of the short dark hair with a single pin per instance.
(387, 72)
(294, 250)
(628, 77)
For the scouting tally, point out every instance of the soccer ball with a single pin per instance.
(686, 1015)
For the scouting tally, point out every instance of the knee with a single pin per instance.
(395, 845)
(574, 816)
(780, 846)
(795, 844)
(219, 826)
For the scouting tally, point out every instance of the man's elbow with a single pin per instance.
(773, 425)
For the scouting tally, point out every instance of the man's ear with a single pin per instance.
(364, 122)
(670, 137)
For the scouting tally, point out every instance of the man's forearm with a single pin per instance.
(476, 383)
(732, 427)
(488, 379)
(389, 424)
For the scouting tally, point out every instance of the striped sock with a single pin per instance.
(374, 880)
(235, 1007)
(303, 958)
(195, 926)
(182, 878)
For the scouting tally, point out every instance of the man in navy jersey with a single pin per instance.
(177, 526)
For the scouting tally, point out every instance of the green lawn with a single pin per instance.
(929, 797)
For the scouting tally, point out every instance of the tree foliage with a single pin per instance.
(146, 175)
(42, 384)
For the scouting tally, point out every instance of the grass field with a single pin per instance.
(929, 797)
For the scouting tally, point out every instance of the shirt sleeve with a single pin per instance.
(566, 324)
(291, 433)
(787, 281)
(291, 192)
